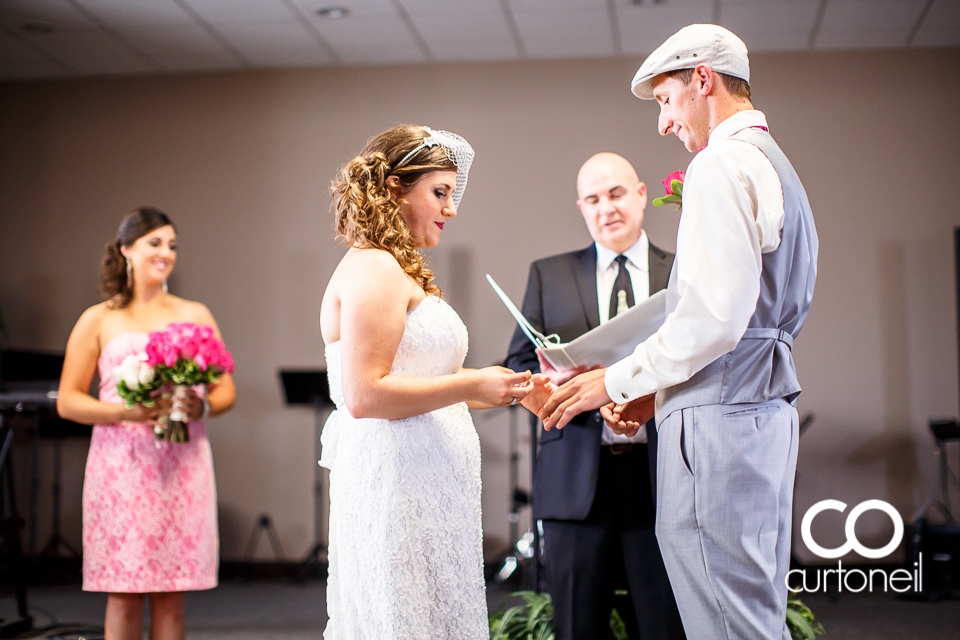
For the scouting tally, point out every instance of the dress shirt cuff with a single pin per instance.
(618, 380)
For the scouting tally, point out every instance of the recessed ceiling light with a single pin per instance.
(332, 13)
(37, 26)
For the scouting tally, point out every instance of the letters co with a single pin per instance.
(855, 580)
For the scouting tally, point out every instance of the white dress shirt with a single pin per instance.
(638, 267)
(732, 213)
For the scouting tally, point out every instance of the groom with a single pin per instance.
(721, 364)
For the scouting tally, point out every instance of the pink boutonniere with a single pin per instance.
(673, 185)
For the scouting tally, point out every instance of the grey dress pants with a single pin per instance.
(724, 508)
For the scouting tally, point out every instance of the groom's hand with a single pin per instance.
(585, 392)
(626, 419)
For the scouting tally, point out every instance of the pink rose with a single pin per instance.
(153, 354)
(668, 181)
(226, 362)
(170, 355)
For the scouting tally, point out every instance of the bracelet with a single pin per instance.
(206, 409)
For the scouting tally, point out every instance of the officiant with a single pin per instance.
(594, 490)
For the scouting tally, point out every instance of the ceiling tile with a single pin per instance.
(465, 51)
(288, 57)
(271, 33)
(13, 50)
(775, 40)
(453, 37)
(242, 10)
(357, 8)
(578, 48)
(76, 43)
(943, 13)
(767, 3)
(874, 14)
(110, 65)
(643, 29)
(568, 32)
(938, 36)
(549, 5)
(211, 60)
(125, 12)
(23, 69)
(794, 16)
(59, 13)
(274, 43)
(590, 23)
(370, 40)
(265, 35)
(451, 7)
(867, 37)
(159, 40)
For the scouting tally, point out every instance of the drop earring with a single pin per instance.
(129, 274)
(164, 287)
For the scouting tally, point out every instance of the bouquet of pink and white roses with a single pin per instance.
(182, 356)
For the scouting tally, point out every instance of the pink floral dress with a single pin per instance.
(149, 511)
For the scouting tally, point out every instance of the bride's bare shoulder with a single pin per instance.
(372, 258)
(367, 281)
(369, 265)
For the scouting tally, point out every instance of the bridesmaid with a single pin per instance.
(149, 511)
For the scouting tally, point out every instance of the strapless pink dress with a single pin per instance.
(149, 512)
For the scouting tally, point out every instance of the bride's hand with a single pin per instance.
(542, 387)
(498, 386)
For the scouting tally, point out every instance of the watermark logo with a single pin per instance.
(852, 543)
(899, 580)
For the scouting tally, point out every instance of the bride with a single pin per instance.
(405, 538)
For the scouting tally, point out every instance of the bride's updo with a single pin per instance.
(368, 215)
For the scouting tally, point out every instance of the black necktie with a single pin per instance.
(621, 286)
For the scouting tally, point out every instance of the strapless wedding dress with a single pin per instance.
(405, 542)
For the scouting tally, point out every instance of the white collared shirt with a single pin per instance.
(638, 266)
(732, 214)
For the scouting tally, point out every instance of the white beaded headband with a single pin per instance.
(458, 150)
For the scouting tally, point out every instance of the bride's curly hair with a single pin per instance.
(368, 214)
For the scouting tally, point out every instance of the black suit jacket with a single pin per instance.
(561, 298)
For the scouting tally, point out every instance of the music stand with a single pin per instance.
(310, 387)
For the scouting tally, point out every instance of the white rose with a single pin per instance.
(128, 371)
(146, 373)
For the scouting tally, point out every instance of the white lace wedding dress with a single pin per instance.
(405, 545)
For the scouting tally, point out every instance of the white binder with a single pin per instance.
(603, 345)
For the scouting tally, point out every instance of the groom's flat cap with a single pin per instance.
(709, 44)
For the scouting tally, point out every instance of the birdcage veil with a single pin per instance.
(457, 149)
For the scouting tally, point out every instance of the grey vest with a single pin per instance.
(760, 367)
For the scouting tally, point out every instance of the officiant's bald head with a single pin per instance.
(612, 199)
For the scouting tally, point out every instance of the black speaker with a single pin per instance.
(936, 548)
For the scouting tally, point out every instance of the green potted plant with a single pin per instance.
(801, 621)
(533, 620)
